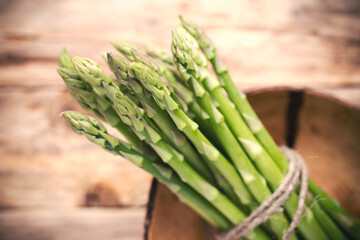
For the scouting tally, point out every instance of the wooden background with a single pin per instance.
(48, 174)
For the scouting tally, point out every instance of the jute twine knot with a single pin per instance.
(297, 170)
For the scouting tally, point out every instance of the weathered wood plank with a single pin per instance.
(43, 163)
(297, 42)
(72, 224)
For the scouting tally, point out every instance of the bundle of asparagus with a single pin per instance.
(195, 132)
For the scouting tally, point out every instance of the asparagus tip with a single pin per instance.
(88, 70)
(125, 48)
(145, 59)
(65, 59)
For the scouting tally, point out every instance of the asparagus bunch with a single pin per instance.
(93, 130)
(259, 131)
(92, 99)
(208, 147)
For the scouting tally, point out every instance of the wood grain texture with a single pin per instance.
(44, 164)
(281, 47)
(263, 43)
(72, 224)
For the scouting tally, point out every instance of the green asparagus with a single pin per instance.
(252, 120)
(96, 133)
(193, 65)
(195, 132)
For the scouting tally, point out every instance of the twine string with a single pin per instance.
(297, 169)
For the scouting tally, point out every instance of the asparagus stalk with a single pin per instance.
(347, 222)
(174, 159)
(170, 156)
(142, 58)
(253, 180)
(169, 71)
(125, 49)
(120, 68)
(96, 132)
(93, 102)
(134, 53)
(193, 64)
(166, 66)
(232, 125)
(160, 53)
(86, 63)
(237, 97)
(245, 109)
(152, 82)
(106, 88)
(325, 221)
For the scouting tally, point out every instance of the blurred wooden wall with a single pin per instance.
(44, 164)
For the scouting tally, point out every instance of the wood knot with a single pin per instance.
(101, 195)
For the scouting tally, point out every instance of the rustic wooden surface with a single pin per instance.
(72, 224)
(177, 214)
(43, 164)
(283, 42)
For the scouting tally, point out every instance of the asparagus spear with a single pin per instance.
(237, 97)
(93, 102)
(125, 48)
(152, 82)
(254, 181)
(347, 222)
(96, 92)
(106, 88)
(166, 66)
(244, 107)
(160, 53)
(176, 161)
(169, 71)
(96, 132)
(193, 65)
(325, 221)
(134, 53)
(140, 125)
(120, 68)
